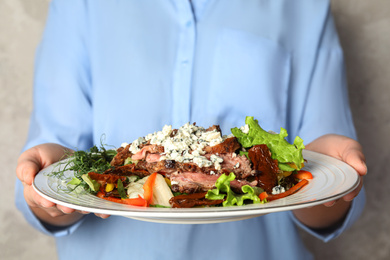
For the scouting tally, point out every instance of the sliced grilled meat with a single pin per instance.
(128, 170)
(153, 148)
(122, 154)
(194, 182)
(106, 178)
(266, 168)
(230, 145)
(192, 200)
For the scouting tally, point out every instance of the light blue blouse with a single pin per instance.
(126, 68)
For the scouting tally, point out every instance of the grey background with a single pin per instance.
(364, 28)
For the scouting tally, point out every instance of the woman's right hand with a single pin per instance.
(29, 164)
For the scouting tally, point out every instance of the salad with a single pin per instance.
(193, 167)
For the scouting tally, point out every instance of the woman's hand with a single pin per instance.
(29, 164)
(348, 151)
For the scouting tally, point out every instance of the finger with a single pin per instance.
(354, 156)
(331, 203)
(36, 158)
(83, 212)
(36, 201)
(354, 193)
(33, 199)
(26, 170)
(103, 216)
(55, 212)
(46, 204)
(65, 210)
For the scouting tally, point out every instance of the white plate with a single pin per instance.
(332, 180)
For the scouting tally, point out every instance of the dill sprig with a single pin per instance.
(94, 160)
(82, 162)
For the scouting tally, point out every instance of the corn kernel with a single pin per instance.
(109, 187)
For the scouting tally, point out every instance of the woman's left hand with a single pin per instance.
(331, 213)
(346, 150)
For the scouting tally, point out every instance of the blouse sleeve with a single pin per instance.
(325, 109)
(62, 110)
(62, 100)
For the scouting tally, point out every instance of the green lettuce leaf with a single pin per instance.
(281, 150)
(74, 181)
(93, 185)
(223, 190)
(285, 167)
(121, 189)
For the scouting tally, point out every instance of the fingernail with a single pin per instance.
(330, 205)
(365, 166)
(46, 205)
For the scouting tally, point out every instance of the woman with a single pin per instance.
(126, 68)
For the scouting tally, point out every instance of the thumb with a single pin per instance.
(353, 155)
(28, 166)
(36, 158)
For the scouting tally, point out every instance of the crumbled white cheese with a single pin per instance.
(214, 158)
(217, 166)
(278, 189)
(213, 137)
(135, 189)
(217, 161)
(202, 161)
(187, 145)
(134, 147)
(245, 128)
